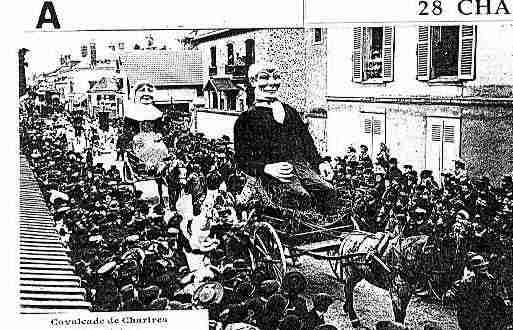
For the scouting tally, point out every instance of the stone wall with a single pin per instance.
(215, 124)
(487, 140)
(301, 61)
(317, 127)
(316, 70)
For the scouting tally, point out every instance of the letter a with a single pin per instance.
(48, 7)
(502, 6)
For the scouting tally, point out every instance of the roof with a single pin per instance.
(206, 35)
(163, 67)
(221, 84)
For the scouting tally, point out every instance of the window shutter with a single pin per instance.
(436, 133)
(377, 129)
(388, 53)
(367, 126)
(424, 53)
(358, 54)
(449, 133)
(467, 52)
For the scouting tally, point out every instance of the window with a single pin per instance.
(250, 51)
(373, 131)
(373, 49)
(442, 143)
(317, 35)
(446, 52)
(213, 60)
(229, 51)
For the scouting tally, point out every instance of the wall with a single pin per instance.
(215, 124)
(405, 128)
(484, 127)
(316, 62)
(317, 127)
(284, 47)
(176, 94)
(494, 65)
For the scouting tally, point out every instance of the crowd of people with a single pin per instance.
(389, 199)
(132, 254)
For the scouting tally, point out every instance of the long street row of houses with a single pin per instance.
(431, 93)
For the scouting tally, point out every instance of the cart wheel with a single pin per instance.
(334, 263)
(268, 251)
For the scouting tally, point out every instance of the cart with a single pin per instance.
(278, 234)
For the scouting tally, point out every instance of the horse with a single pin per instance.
(403, 262)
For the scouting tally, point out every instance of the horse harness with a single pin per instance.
(400, 254)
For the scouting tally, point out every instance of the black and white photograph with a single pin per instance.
(314, 177)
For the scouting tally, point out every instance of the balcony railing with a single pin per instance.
(212, 71)
(236, 70)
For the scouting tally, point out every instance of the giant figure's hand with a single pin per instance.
(281, 171)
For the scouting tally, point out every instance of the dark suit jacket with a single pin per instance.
(311, 320)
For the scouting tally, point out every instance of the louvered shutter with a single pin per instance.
(358, 53)
(436, 133)
(424, 53)
(449, 134)
(388, 53)
(377, 127)
(367, 126)
(467, 52)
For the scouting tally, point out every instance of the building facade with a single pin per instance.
(176, 75)
(300, 55)
(431, 93)
(227, 55)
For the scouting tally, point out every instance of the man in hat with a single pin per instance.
(294, 285)
(394, 173)
(478, 305)
(460, 173)
(274, 144)
(427, 180)
(364, 158)
(315, 317)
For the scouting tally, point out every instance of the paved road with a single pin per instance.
(371, 303)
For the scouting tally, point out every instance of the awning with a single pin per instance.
(141, 112)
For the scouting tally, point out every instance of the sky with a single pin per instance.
(45, 48)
